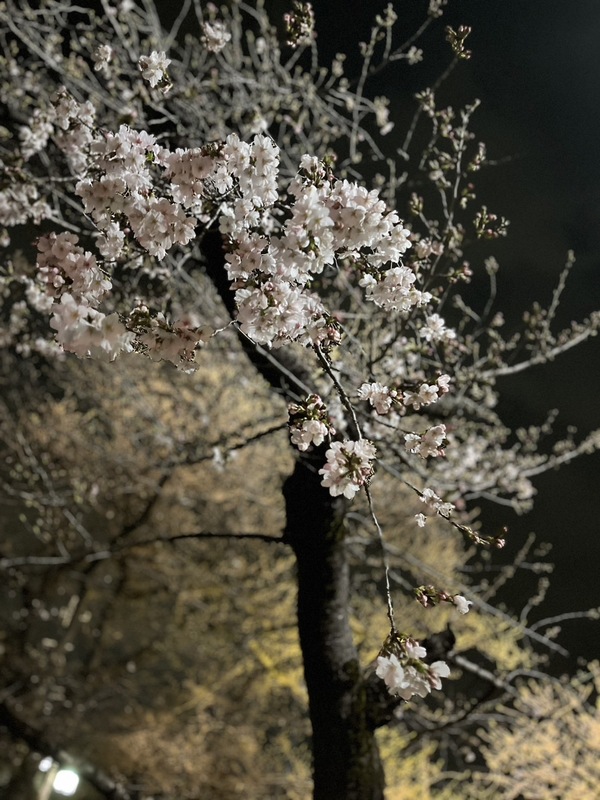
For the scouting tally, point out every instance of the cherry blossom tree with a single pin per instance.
(215, 181)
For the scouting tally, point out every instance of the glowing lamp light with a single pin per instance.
(45, 764)
(66, 782)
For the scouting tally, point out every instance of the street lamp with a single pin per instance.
(66, 782)
(60, 781)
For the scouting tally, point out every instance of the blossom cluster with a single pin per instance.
(175, 340)
(76, 285)
(434, 505)
(427, 444)
(382, 397)
(63, 264)
(154, 67)
(349, 466)
(309, 422)
(396, 292)
(143, 196)
(122, 189)
(139, 191)
(379, 396)
(327, 221)
(68, 122)
(84, 330)
(19, 203)
(405, 673)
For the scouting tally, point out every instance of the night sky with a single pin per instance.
(536, 68)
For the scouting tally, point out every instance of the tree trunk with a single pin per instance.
(346, 764)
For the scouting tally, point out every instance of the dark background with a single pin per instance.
(536, 68)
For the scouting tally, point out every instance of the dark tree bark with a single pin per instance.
(346, 763)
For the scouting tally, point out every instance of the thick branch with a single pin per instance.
(284, 373)
(111, 552)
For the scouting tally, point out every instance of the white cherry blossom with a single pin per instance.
(154, 67)
(215, 35)
(349, 466)
(461, 603)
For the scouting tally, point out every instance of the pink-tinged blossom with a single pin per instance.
(425, 395)
(60, 261)
(239, 218)
(275, 312)
(395, 290)
(391, 672)
(428, 444)
(86, 331)
(154, 67)
(414, 650)
(112, 338)
(437, 670)
(362, 219)
(123, 178)
(176, 341)
(256, 166)
(71, 323)
(111, 242)
(68, 111)
(435, 330)
(379, 396)
(392, 245)
(309, 422)
(413, 677)
(443, 383)
(426, 247)
(435, 504)
(74, 123)
(249, 257)
(188, 172)
(158, 224)
(166, 345)
(311, 431)
(349, 466)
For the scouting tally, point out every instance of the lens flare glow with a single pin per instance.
(66, 782)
